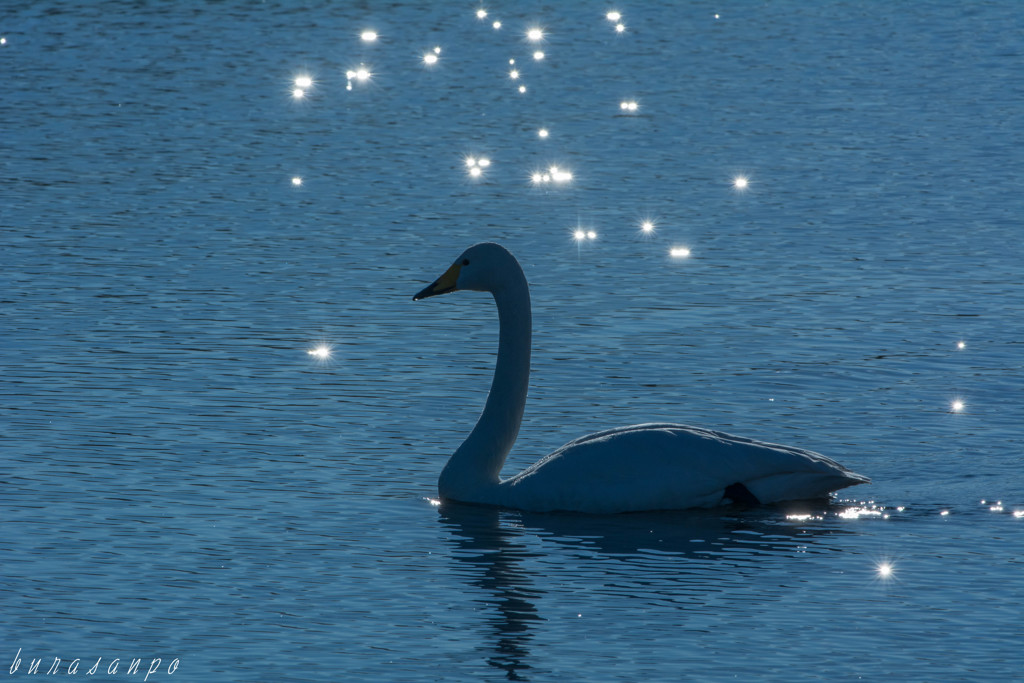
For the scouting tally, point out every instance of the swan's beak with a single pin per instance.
(443, 284)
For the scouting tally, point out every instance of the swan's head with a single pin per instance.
(484, 267)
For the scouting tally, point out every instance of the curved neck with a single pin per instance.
(476, 465)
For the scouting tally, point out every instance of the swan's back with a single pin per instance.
(670, 466)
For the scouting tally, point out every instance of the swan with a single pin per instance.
(626, 469)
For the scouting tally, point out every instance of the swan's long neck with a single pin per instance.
(474, 469)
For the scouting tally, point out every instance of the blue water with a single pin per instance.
(182, 480)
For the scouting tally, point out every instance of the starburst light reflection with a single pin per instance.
(613, 16)
(305, 82)
(481, 13)
(514, 74)
(620, 28)
(368, 36)
(956, 405)
(535, 34)
(298, 93)
(679, 252)
(961, 345)
(538, 55)
(629, 105)
(430, 59)
(296, 181)
(360, 75)
(647, 227)
(321, 352)
(884, 570)
(475, 166)
(741, 182)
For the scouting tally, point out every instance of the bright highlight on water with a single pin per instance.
(475, 166)
(321, 352)
(554, 174)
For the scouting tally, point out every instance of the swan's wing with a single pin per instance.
(670, 466)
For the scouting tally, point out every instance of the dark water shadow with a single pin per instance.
(494, 546)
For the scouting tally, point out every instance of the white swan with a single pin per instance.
(642, 467)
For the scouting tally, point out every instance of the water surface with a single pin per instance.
(184, 481)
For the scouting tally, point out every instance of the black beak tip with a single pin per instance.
(425, 292)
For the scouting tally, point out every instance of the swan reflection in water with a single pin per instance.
(510, 559)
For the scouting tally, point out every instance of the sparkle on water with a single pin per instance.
(741, 182)
(613, 16)
(554, 174)
(513, 74)
(856, 512)
(961, 345)
(368, 36)
(321, 352)
(361, 75)
(296, 181)
(305, 82)
(535, 34)
(430, 58)
(496, 25)
(581, 235)
(542, 133)
(679, 252)
(538, 55)
(475, 166)
(629, 105)
(956, 405)
(647, 226)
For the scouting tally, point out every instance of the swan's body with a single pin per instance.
(642, 467)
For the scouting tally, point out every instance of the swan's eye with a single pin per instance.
(465, 261)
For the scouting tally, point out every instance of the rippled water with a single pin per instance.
(184, 481)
